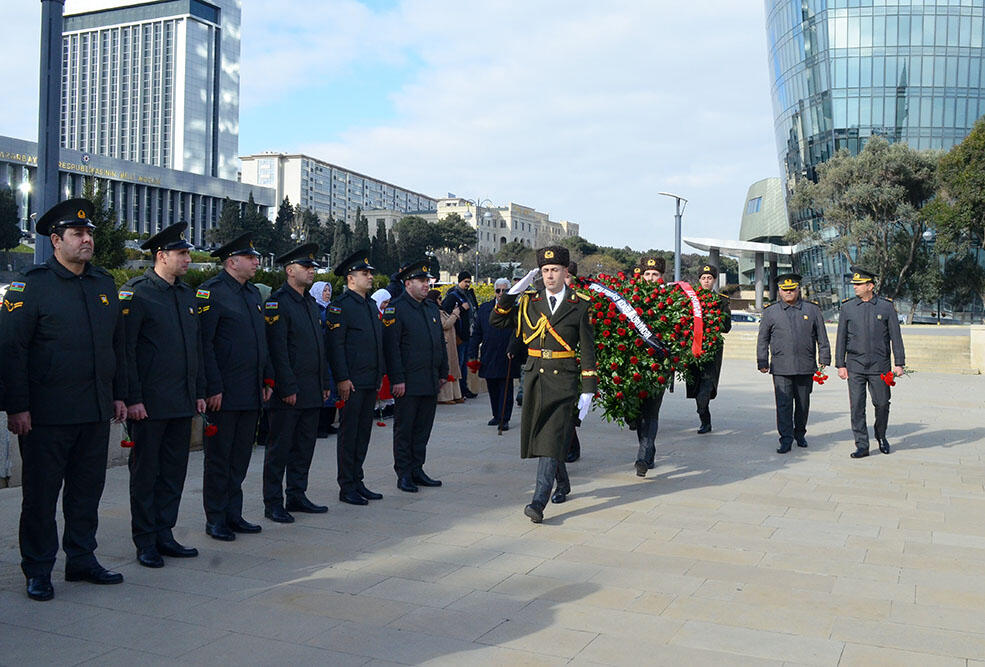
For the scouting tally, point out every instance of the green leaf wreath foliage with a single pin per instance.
(629, 370)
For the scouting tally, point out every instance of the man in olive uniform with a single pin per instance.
(792, 344)
(417, 365)
(868, 327)
(553, 322)
(296, 344)
(165, 388)
(703, 385)
(355, 348)
(651, 270)
(238, 380)
(64, 372)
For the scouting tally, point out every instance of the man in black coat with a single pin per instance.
(301, 385)
(490, 357)
(64, 372)
(703, 383)
(417, 365)
(792, 340)
(355, 348)
(238, 380)
(461, 295)
(165, 389)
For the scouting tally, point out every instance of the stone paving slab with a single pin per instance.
(725, 554)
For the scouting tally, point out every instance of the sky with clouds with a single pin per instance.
(585, 110)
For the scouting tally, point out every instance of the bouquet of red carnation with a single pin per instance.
(889, 378)
(819, 375)
(127, 441)
(210, 428)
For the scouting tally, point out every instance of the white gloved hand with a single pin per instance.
(524, 282)
(584, 403)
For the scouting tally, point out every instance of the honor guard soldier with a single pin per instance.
(868, 330)
(165, 389)
(703, 383)
(64, 371)
(355, 348)
(792, 344)
(238, 379)
(417, 365)
(296, 343)
(651, 269)
(553, 322)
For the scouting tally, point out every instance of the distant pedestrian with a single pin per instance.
(491, 357)
(450, 392)
(321, 291)
(461, 295)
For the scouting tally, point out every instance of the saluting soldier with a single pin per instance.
(703, 383)
(651, 269)
(64, 371)
(417, 365)
(868, 328)
(296, 343)
(238, 380)
(355, 342)
(165, 388)
(553, 322)
(792, 345)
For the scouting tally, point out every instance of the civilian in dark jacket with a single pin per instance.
(490, 354)
(461, 295)
(321, 292)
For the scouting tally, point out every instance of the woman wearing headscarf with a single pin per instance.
(450, 392)
(321, 291)
(384, 399)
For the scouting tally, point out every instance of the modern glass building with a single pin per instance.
(845, 70)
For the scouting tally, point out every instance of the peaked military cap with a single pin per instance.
(651, 263)
(69, 213)
(303, 255)
(710, 269)
(241, 245)
(169, 238)
(788, 281)
(357, 261)
(418, 269)
(861, 276)
(553, 254)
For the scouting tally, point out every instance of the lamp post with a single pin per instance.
(485, 216)
(25, 189)
(929, 236)
(677, 232)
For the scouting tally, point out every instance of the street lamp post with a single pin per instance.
(929, 236)
(677, 232)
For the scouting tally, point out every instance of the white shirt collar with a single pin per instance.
(559, 297)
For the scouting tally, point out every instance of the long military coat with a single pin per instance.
(792, 339)
(711, 371)
(296, 344)
(867, 331)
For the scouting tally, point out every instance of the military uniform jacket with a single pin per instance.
(866, 331)
(63, 345)
(234, 342)
(297, 348)
(414, 344)
(490, 345)
(710, 370)
(792, 339)
(165, 368)
(355, 341)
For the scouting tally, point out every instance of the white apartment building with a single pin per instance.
(499, 225)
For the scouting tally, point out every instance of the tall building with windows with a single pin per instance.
(845, 70)
(153, 82)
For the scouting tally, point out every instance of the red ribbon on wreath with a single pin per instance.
(699, 323)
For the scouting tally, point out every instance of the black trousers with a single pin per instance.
(703, 398)
(793, 404)
(158, 463)
(227, 458)
(52, 455)
(497, 387)
(549, 470)
(413, 417)
(646, 428)
(292, 444)
(879, 391)
(355, 429)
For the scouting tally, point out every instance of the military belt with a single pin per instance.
(551, 354)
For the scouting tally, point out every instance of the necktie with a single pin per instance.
(553, 301)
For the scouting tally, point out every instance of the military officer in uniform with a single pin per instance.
(553, 322)
(165, 389)
(355, 348)
(868, 329)
(64, 372)
(417, 365)
(296, 344)
(238, 380)
(650, 269)
(792, 344)
(703, 385)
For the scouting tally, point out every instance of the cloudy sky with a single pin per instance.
(582, 109)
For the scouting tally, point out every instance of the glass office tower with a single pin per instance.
(845, 70)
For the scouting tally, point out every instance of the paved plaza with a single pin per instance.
(727, 553)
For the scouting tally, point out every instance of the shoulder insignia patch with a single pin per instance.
(271, 305)
(334, 309)
(12, 305)
(583, 296)
(887, 299)
(271, 318)
(816, 303)
(202, 294)
(203, 309)
(125, 295)
(389, 310)
(767, 305)
(847, 300)
(16, 287)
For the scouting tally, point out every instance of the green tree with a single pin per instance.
(281, 240)
(871, 202)
(320, 232)
(10, 230)
(360, 231)
(961, 213)
(108, 238)
(342, 246)
(393, 260)
(379, 254)
(259, 226)
(454, 234)
(415, 236)
(516, 252)
(229, 225)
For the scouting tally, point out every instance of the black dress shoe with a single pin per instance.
(560, 496)
(783, 449)
(884, 446)
(219, 531)
(802, 442)
(97, 574)
(860, 453)
(705, 428)
(406, 484)
(331, 430)
(241, 525)
(469, 394)
(422, 479)
(506, 426)
(40, 588)
(571, 457)
(352, 497)
(302, 504)
(519, 401)
(492, 422)
(278, 515)
(369, 495)
(149, 557)
(641, 468)
(535, 513)
(172, 549)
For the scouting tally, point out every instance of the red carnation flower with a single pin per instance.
(616, 379)
(622, 317)
(643, 393)
(613, 366)
(637, 377)
(654, 366)
(663, 318)
(618, 394)
(639, 311)
(621, 347)
(607, 321)
(606, 333)
(339, 404)
(634, 359)
(621, 331)
(649, 312)
(650, 352)
(638, 342)
(661, 379)
(211, 430)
